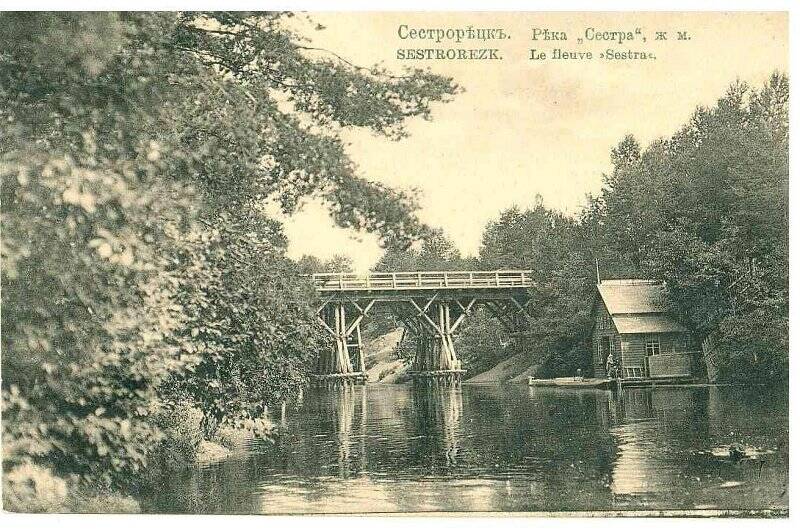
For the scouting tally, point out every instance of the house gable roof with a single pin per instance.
(646, 323)
(632, 296)
(637, 306)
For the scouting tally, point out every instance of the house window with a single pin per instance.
(652, 346)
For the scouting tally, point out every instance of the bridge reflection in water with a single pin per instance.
(389, 448)
(342, 412)
(438, 413)
(434, 428)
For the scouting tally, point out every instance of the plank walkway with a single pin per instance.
(337, 282)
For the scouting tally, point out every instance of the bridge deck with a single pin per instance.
(409, 281)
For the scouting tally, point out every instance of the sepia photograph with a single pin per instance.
(446, 263)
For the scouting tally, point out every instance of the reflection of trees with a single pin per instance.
(758, 419)
(218, 488)
(547, 446)
(438, 411)
(498, 448)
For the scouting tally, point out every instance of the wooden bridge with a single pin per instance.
(431, 306)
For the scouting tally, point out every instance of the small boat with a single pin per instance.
(570, 382)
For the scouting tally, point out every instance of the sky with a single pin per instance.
(523, 127)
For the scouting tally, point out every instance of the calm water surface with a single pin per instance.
(396, 448)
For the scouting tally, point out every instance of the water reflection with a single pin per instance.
(642, 427)
(671, 448)
(341, 412)
(438, 411)
(501, 448)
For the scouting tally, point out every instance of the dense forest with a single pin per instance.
(141, 278)
(705, 210)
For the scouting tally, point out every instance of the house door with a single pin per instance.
(605, 349)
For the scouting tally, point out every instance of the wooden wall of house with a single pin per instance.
(603, 326)
(633, 346)
(632, 350)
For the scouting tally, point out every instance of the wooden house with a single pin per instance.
(632, 325)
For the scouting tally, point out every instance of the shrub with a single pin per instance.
(566, 363)
(181, 434)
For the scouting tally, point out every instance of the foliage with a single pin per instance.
(181, 425)
(87, 297)
(538, 239)
(309, 264)
(551, 245)
(711, 219)
(259, 69)
(566, 362)
(139, 268)
(31, 488)
(87, 304)
(705, 210)
(434, 252)
(253, 318)
(481, 343)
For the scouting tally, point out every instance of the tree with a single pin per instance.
(551, 246)
(338, 264)
(258, 334)
(435, 252)
(398, 259)
(309, 264)
(254, 62)
(138, 152)
(87, 297)
(707, 211)
(439, 253)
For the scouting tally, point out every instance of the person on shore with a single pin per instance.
(611, 367)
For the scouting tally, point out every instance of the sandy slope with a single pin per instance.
(515, 369)
(384, 368)
(380, 361)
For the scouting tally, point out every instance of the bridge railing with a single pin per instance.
(422, 280)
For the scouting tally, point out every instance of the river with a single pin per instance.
(396, 448)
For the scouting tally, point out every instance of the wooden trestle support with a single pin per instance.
(344, 362)
(432, 320)
(434, 324)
